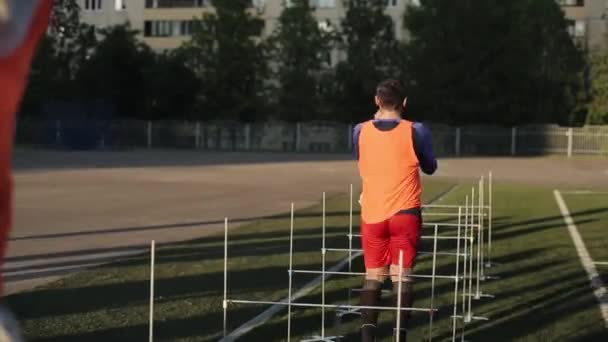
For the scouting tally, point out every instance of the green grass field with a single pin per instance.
(542, 295)
(591, 221)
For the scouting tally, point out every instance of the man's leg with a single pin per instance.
(407, 298)
(370, 296)
(376, 254)
(405, 236)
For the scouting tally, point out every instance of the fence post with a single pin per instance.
(58, 132)
(297, 136)
(350, 137)
(457, 143)
(149, 134)
(569, 134)
(197, 140)
(247, 136)
(513, 140)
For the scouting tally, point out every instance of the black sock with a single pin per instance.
(370, 296)
(407, 301)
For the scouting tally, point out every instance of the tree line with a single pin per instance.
(463, 62)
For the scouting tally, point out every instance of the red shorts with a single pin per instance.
(382, 241)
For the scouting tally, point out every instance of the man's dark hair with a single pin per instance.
(391, 94)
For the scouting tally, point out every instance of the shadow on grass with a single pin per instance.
(45, 266)
(174, 226)
(59, 301)
(201, 286)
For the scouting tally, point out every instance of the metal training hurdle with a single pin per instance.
(474, 241)
(472, 253)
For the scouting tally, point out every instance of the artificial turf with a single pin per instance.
(542, 295)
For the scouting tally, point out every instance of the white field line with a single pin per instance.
(599, 289)
(584, 192)
(273, 310)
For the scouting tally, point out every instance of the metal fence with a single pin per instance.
(304, 137)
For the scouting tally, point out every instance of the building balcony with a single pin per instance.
(165, 43)
(176, 13)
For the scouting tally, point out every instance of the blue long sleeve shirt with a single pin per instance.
(423, 145)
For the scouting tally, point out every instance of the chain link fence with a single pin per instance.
(318, 136)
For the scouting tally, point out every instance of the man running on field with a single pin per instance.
(390, 151)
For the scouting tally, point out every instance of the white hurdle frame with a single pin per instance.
(399, 296)
(456, 279)
(323, 253)
(472, 248)
(225, 301)
(323, 276)
(481, 277)
(465, 268)
(433, 285)
(289, 303)
(345, 312)
(290, 271)
(151, 313)
(467, 213)
(479, 239)
(489, 214)
(433, 276)
(489, 264)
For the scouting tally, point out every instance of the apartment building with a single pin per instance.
(588, 21)
(166, 24)
(104, 13)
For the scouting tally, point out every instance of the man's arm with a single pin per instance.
(423, 145)
(356, 134)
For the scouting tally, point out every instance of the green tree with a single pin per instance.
(115, 71)
(373, 54)
(171, 88)
(226, 55)
(482, 61)
(598, 108)
(62, 51)
(72, 41)
(301, 53)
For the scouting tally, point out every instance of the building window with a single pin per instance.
(186, 27)
(147, 28)
(578, 3)
(577, 28)
(326, 26)
(324, 3)
(177, 3)
(259, 4)
(120, 5)
(160, 28)
(168, 28)
(390, 3)
(387, 3)
(92, 5)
